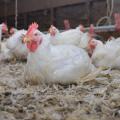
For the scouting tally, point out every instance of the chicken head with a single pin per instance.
(33, 37)
(82, 29)
(4, 28)
(92, 41)
(53, 30)
(66, 24)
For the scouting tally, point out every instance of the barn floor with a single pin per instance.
(95, 99)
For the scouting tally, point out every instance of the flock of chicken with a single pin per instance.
(59, 57)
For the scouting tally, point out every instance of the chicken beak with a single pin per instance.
(26, 39)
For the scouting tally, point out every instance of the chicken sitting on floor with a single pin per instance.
(106, 55)
(54, 64)
(75, 37)
(14, 48)
(71, 36)
(4, 51)
(16, 45)
(3, 29)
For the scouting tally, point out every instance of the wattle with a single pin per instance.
(92, 46)
(32, 46)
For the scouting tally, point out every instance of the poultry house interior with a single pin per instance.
(59, 60)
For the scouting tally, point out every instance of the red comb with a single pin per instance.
(34, 26)
(91, 32)
(117, 21)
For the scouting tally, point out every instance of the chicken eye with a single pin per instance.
(36, 34)
(93, 42)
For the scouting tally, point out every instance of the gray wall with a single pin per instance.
(33, 5)
(47, 12)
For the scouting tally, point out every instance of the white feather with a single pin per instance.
(57, 64)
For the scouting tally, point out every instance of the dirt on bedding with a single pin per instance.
(95, 99)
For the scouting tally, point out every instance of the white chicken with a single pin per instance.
(89, 42)
(4, 51)
(74, 37)
(87, 37)
(107, 55)
(71, 36)
(54, 64)
(3, 29)
(16, 46)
